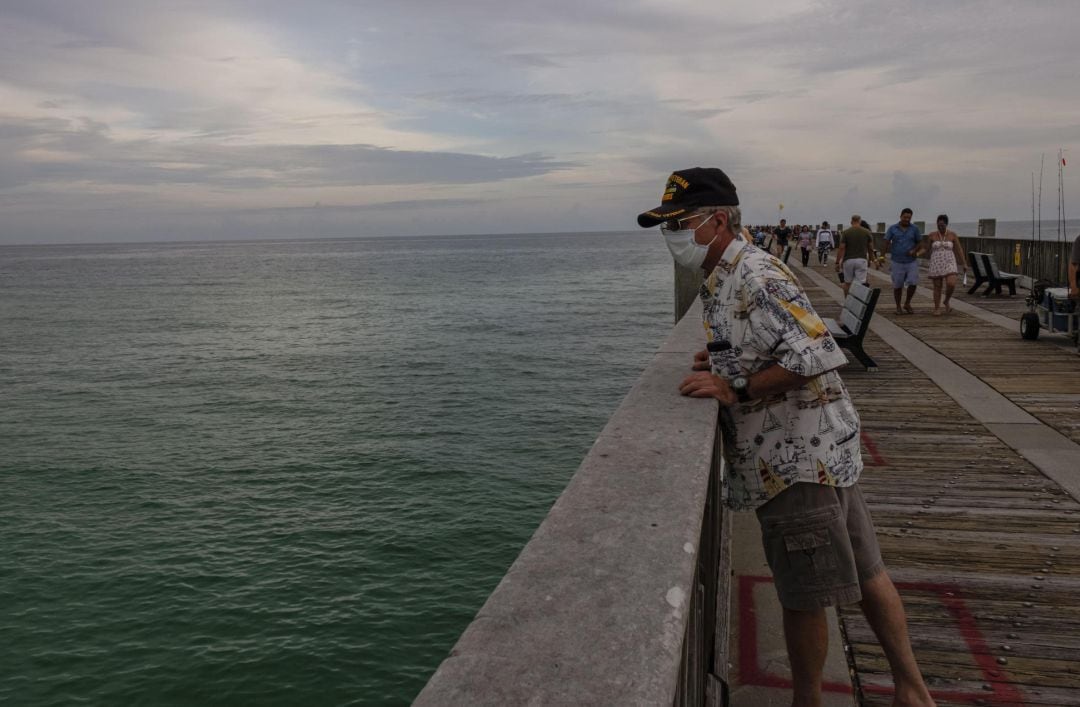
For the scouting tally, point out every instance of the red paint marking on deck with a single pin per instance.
(1003, 691)
(872, 448)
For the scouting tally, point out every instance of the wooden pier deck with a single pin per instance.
(984, 546)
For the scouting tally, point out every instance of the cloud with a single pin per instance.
(53, 151)
(822, 104)
(907, 191)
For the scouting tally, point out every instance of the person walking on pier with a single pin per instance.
(791, 433)
(946, 260)
(856, 246)
(824, 243)
(904, 240)
(783, 237)
(804, 245)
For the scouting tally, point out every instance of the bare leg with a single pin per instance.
(807, 636)
(896, 296)
(937, 294)
(885, 612)
(907, 300)
(950, 287)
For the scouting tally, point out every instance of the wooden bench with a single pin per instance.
(978, 270)
(855, 321)
(997, 278)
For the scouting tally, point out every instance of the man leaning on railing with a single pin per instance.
(791, 433)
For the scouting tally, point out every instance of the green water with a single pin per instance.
(289, 473)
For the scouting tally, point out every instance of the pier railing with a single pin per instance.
(621, 595)
(1040, 258)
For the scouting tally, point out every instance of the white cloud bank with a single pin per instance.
(129, 121)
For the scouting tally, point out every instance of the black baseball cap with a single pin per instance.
(690, 189)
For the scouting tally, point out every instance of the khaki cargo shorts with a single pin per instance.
(820, 544)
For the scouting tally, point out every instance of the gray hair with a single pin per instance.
(733, 213)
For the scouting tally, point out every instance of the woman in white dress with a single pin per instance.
(947, 259)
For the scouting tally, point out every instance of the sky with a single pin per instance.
(125, 120)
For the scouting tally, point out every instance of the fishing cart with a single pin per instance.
(1052, 309)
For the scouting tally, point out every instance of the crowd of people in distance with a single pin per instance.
(807, 238)
(856, 253)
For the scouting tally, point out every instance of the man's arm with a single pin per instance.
(769, 381)
(920, 242)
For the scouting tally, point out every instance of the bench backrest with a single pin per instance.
(976, 261)
(991, 266)
(858, 307)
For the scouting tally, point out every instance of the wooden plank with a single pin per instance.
(969, 528)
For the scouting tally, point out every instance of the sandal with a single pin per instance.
(908, 309)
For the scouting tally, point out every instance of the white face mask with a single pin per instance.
(684, 249)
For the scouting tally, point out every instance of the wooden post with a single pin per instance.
(987, 227)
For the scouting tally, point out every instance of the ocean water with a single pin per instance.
(289, 473)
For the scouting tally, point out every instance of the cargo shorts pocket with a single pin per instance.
(811, 557)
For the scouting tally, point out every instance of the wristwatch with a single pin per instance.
(740, 385)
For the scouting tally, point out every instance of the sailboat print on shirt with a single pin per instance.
(810, 322)
(771, 423)
(825, 425)
(772, 483)
(823, 475)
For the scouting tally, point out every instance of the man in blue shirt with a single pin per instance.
(904, 241)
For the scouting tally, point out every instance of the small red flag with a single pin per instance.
(1063, 162)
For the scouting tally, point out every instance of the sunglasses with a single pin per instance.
(678, 224)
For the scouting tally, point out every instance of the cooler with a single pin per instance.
(1060, 308)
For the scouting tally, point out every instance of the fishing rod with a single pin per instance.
(1031, 243)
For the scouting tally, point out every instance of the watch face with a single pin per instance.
(740, 383)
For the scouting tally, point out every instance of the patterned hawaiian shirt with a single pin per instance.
(756, 316)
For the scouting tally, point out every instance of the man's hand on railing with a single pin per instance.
(706, 385)
(701, 361)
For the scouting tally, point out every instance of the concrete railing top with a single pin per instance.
(594, 609)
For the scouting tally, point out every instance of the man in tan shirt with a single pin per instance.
(856, 247)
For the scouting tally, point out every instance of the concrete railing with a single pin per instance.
(621, 595)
